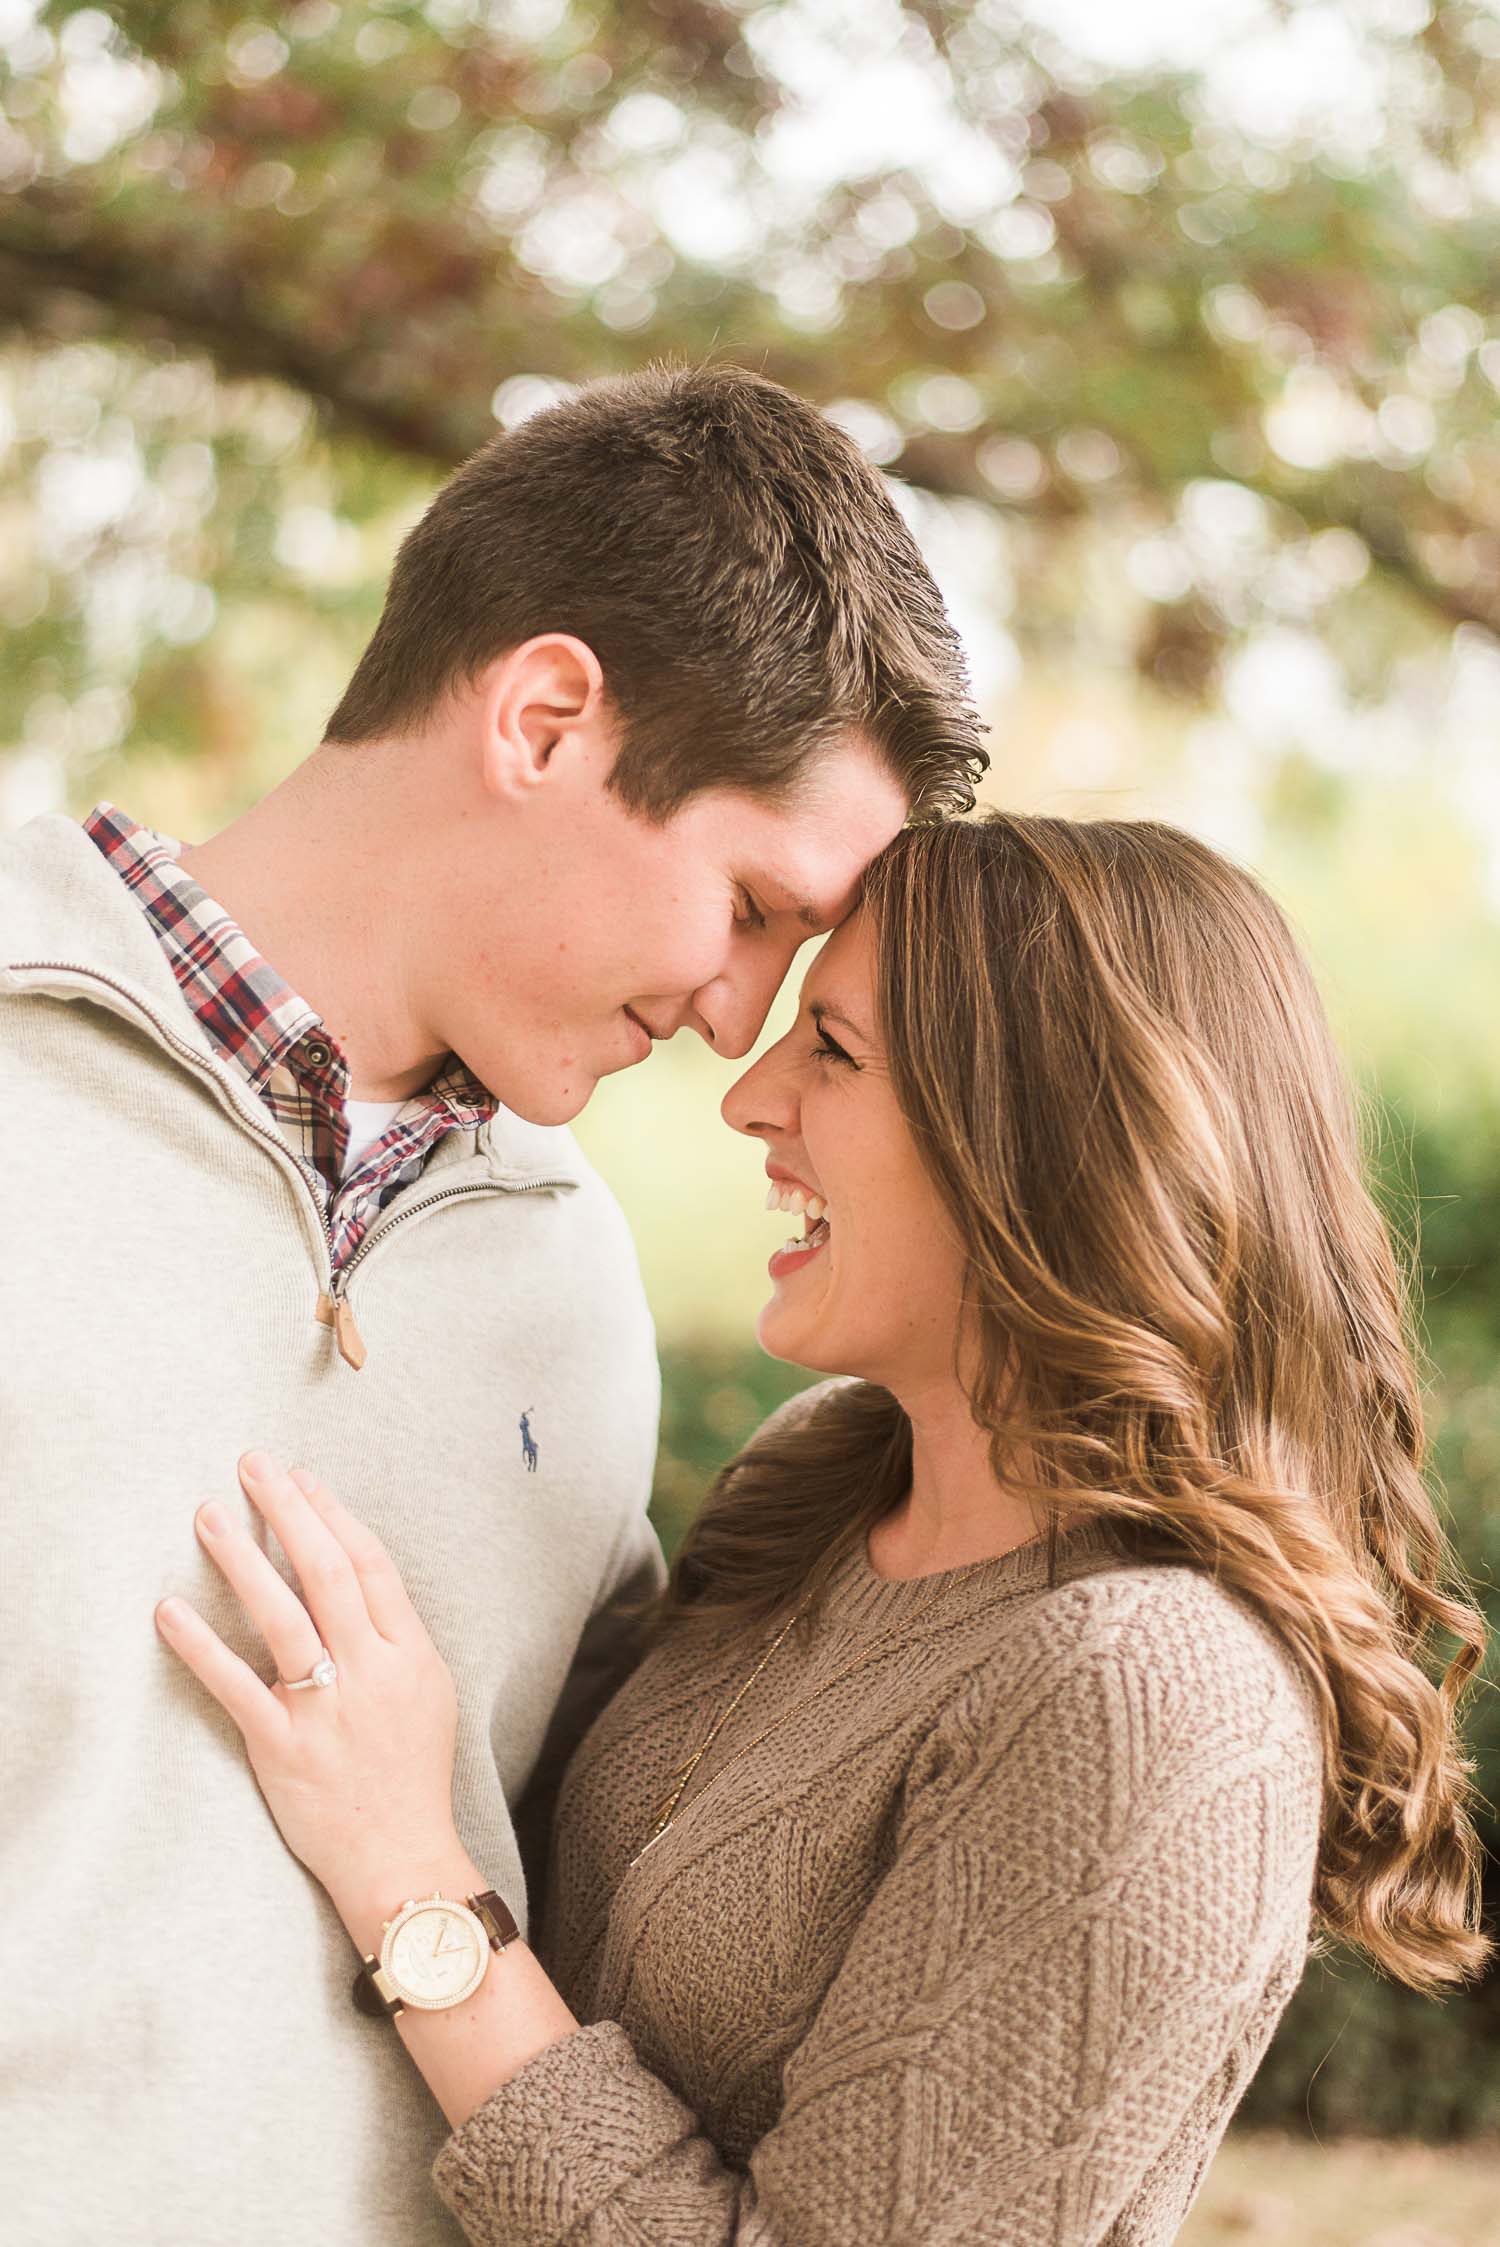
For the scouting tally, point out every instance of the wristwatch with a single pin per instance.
(434, 1954)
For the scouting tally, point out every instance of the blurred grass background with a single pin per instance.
(1176, 326)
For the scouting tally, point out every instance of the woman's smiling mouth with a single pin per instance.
(790, 1196)
(797, 1253)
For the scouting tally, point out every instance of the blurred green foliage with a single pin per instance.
(1355, 2053)
(714, 1397)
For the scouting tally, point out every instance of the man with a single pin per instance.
(657, 675)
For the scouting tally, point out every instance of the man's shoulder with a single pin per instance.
(62, 903)
(547, 1157)
(589, 1236)
(41, 865)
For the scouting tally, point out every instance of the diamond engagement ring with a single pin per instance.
(325, 1671)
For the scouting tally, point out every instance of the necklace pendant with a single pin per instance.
(679, 1779)
(651, 1840)
(668, 1803)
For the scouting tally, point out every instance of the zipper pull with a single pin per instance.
(338, 1315)
(350, 1341)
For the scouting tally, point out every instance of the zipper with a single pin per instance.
(447, 1194)
(332, 1308)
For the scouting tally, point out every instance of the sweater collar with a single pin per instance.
(860, 1596)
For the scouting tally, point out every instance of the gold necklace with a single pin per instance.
(667, 1807)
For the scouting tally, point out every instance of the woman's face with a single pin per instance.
(874, 1286)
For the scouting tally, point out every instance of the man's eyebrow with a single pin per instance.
(823, 1013)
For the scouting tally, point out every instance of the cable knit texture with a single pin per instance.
(982, 1946)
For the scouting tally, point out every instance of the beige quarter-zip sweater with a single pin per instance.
(179, 2059)
(979, 1947)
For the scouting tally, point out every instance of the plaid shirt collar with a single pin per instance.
(254, 1019)
(260, 1025)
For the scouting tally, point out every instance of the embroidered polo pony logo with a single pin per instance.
(529, 1451)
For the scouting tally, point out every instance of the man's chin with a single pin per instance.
(574, 1098)
(559, 1097)
(555, 1108)
(540, 1102)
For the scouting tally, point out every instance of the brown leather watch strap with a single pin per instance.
(367, 1994)
(495, 1913)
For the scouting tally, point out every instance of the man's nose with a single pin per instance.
(732, 1009)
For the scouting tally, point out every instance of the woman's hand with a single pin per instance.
(359, 1774)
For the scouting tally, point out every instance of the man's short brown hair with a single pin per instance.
(736, 565)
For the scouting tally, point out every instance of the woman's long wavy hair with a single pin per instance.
(1186, 1314)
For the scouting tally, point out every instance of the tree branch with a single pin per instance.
(156, 302)
(160, 300)
(949, 467)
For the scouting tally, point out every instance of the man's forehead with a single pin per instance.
(819, 897)
(817, 876)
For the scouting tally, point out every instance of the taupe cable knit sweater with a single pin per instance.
(983, 1946)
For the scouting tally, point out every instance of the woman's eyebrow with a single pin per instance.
(804, 908)
(821, 1012)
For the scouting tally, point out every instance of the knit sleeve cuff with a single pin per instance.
(548, 2148)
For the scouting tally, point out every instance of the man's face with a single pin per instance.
(627, 931)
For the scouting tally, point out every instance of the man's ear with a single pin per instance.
(534, 701)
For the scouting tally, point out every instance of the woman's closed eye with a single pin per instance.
(829, 1049)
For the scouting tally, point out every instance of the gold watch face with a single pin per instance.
(436, 1953)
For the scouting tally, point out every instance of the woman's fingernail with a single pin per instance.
(213, 1519)
(257, 1464)
(171, 1611)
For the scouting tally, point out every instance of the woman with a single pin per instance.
(1017, 1710)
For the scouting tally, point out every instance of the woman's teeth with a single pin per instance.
(793, 1202)
(796, 1201)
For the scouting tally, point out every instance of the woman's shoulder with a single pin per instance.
(1165, 1610)
(1159, 1653)
(1185, 1621)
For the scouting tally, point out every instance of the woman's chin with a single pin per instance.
(770, 1330)
(798, 1338)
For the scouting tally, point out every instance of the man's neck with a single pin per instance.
(310, 878)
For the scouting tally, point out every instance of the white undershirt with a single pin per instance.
(368, 1120)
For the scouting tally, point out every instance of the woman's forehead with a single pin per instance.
(840, 968)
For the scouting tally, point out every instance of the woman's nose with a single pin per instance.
(759, 1102)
